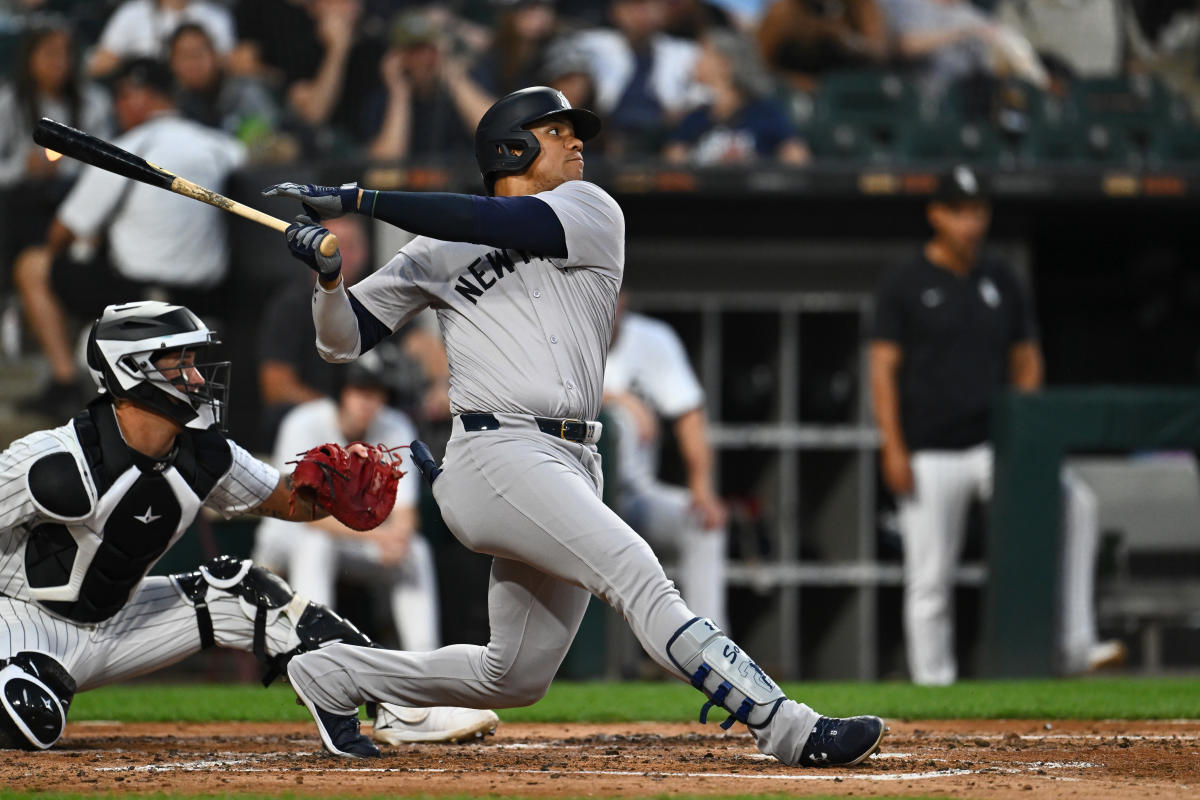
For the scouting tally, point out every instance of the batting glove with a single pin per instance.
(320, 202)
(304, 239)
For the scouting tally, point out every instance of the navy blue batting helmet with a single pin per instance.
(503, 129)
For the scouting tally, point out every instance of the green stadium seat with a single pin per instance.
(952, 140)
(1134, 108)
(1176, 144)
(1079, 144)
(857, 114)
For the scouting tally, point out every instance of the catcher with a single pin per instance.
(89, 507)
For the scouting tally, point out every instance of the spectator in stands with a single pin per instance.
(394, 556)
(143, 28)
(45, 83)
(1169, 46)
(516, 59)
(290, 371)
(743, 122)
(800, 39)
(948, 40)
(690, 19)
(951, 330)
(640, 77)
(323, 58)
(139, 241)
(429, 106)
(1093, 38)
(648, 376)
(241, 106)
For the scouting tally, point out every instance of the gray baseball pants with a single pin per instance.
(533, 502)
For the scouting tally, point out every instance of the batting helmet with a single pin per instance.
(126, 344)
(503, 129)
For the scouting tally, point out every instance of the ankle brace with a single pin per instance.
(720, 669)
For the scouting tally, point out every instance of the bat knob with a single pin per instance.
(329, 245)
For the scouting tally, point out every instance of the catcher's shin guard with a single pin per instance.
(261, 592)
(719, 668)
(35, 693)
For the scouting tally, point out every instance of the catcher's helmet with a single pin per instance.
(127, 340)
(503, 128)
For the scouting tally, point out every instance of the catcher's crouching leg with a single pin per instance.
(245, 606)
(35, 693)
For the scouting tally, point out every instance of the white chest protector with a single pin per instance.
(112, 513)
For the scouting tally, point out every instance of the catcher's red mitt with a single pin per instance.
(358, 489)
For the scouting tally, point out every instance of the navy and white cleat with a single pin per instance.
(836, 742)
(340, 734)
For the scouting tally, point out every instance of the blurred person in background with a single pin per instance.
(800, 39)
(517, 56)
(640, 77)
(45, 82)
(428, 105)
(393, 556)
(689, 19)
(113, 240)
(143, 28)
(952, 329)
(743, 122)
(323, 56)
(1092, 38)
(290, 371)
(946, 41)
(648, 376)
(240, 106)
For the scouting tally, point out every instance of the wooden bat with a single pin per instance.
(107, 156)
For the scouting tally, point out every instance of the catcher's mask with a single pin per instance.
(152, 354)
(504, 128)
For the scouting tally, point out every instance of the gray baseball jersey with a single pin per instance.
(524, 335)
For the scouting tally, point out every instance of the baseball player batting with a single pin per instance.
(525, 285)
(89, 507)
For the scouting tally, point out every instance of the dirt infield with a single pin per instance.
(972, 758)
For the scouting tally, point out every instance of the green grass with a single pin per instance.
(1120, 698)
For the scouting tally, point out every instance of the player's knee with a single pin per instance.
(31, 268)
(515, 690)
(35, 693)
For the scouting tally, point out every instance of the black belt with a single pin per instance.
(573, 430)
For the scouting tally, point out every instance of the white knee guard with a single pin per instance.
(719, 668)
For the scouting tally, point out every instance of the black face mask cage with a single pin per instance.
(213, 393)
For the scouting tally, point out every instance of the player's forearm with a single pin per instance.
(1025, 366)
(691, 432)
(338, 338)
(519, 223)
(885, 395)
(280, 505)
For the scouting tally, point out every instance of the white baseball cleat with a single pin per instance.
(1110, 653)
(401, 725)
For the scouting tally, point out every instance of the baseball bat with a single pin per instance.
(107, 156)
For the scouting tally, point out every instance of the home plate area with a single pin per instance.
(952, 758)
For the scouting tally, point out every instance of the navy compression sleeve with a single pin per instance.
(370, 330)
(519, 223)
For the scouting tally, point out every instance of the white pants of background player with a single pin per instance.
(313, 560)
(532, 502)
(663, 514)
(933, 522)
